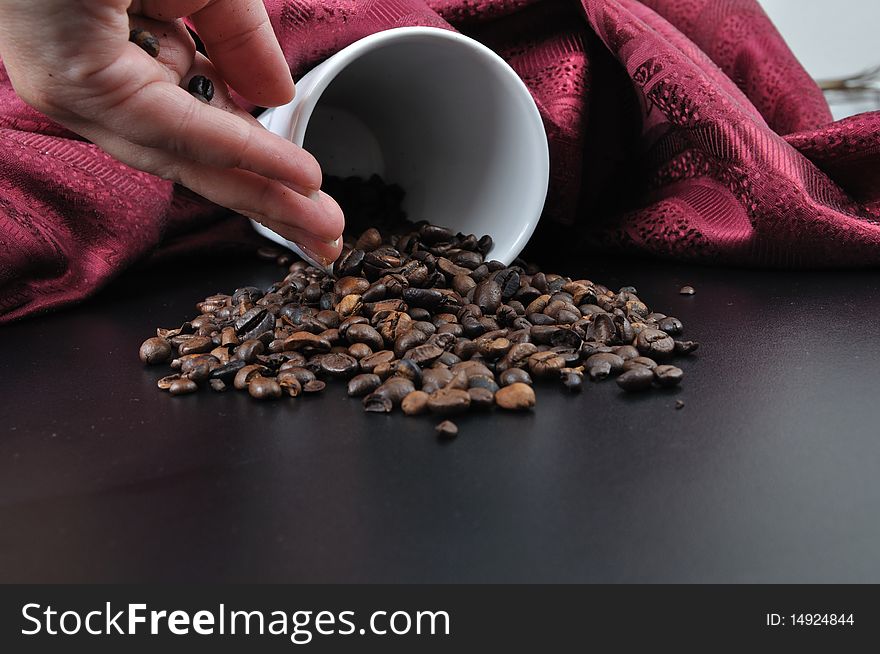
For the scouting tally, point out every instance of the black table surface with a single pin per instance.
(768, 474)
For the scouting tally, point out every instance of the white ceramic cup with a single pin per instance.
(436, 112)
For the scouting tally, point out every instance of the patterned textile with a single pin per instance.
(680, 128)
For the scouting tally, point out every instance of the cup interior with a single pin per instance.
(450, 122)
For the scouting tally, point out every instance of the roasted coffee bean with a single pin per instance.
(626, 352)
(244, 376)
(637, 378)
(314, 386)
(446, 430)
(572, 379)
(415, 403)
(302, 375)
(200, 369)
(615, 365)
(217, 385)
(363, 384)
(406, 342)
(368, 363)
(670, 325)
(350, 263)
(668, 376)
(546, 364)
(516, 397)
(339, 365)
(654, 343)
(196, 345)
(360, 350)
(145, 41)
(685, 347)
(602, 329)
(250, 350)
(686, 290)
(226, 373)
(155, 350)
(679, 404)
(182, 386)
(264, 388)
(425, 355)
(289, 384)
(487, 296)
(203, 89)
(449, 401)
(299, 341)
(165, 382)
(481, 398)
(640, 362)
(514, 376)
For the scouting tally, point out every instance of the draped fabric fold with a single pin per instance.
(678, 128)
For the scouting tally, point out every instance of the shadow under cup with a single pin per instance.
(442, 116)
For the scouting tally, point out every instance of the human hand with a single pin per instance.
(73, 61)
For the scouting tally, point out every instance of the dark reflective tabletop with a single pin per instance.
(769, 473)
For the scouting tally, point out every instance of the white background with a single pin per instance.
(832, 38)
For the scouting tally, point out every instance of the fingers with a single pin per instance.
(242, 45)
(164, 116)
(176, 47)
(240, 42)
(247, 193)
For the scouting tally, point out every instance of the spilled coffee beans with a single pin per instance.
(417, 319)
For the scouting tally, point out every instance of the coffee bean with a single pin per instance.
(514, 376)
(626, 352)
(636, 379)
(217, 385)
(203, 89)
(245, 374)
(654, 343)
(640, 362)
(302, 375)
(145, 41)
(250, 350)
(679, 404)
(415, 403)
(546, 364)
(596, 368)
(182, 387)
(314, 386)
(448, 401)
(339, 365)
(481, 398)
(487, 296)
(668, 376)
(670, 325)
(685, 347)
(196, 345)
(515, 397)
(363, 384)
(446, 430)
(686, 290)
(164, 383)
(263, 388)
(572, 380)
(155, 350)
(289, 383)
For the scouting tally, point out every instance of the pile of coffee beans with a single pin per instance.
(416, 319)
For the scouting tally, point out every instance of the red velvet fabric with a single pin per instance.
(681, 128)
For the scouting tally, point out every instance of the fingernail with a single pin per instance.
(317, 260)
(312, 194)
